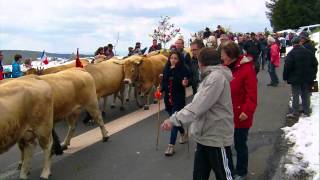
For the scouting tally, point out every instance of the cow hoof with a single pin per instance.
(105, 139)
(127, 100)
(122, 109)
(112, 106)
(19, 166)
(146, 108)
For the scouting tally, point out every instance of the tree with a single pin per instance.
(285, 14)
(165, 31)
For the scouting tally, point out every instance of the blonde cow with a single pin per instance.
(73, 90)
(41, 71)
(26, 108)
(144, 72)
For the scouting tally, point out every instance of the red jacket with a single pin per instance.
(275, 54)
(243, 91)
(1, 75)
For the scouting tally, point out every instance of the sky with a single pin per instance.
(61, 26)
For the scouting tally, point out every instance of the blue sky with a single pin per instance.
(63, 25)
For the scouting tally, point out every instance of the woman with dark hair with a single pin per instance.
(16, 71)
(244, 101)
(175, 80)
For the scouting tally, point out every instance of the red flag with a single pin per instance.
(44, 58)
(78, 62)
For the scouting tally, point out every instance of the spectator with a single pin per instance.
(223, 38)
(138, 50)
(244, 101)
(283, 46)
(109, 52)
(252, 48)
(28, 63)
(7, 73)
(263, 45)
(1, 67)
(154, 47)
(130, 51)
(186, 58)
(206, 33)
(273, 61)
(196, 47)
(306, 42)
(211, 117)
(219, 31)
(300, 70)
(173, 84)
(16, 71)
(99, 53)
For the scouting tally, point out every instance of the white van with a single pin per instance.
(308, 29)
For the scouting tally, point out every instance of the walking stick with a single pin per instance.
(158, 97)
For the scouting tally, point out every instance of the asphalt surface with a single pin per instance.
(131, 153)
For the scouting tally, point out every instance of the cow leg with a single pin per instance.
(147, 99)
(129, 88)
(137, 93)
(21, 147)
(96, 115)
(121, 96)
(72, 119)
(45, 141)
(27, 144)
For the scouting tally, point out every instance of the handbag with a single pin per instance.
(314, 87)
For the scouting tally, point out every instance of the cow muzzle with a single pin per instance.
(127, 81)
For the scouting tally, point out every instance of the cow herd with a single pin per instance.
(32, 104)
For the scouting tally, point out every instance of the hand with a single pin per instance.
(166, 125)
(243, 116)
(185, 82)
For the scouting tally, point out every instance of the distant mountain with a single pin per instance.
(9, 55)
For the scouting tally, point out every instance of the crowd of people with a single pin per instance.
(223, 75)
(224, 83)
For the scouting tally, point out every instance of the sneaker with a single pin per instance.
(170, 150)
(237, 177)
(305, 114)
(183, 138)
(291, 115)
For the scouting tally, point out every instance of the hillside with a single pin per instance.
(9, 54)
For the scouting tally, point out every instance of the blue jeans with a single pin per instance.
(273, 74)
(174, 132)
(240, 144)
(302, 90)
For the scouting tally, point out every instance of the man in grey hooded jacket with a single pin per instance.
(211, 117)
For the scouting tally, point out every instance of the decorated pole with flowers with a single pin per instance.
(165, 31)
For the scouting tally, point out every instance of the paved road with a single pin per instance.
(131, 155)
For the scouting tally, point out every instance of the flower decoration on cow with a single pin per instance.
(165, 31)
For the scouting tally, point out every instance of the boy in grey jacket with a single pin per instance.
(211, 117)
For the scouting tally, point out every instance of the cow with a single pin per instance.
(144, 72)
(41, 71)
(74, 89)
(26, 108)
(108, 78)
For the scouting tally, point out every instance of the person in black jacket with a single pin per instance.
(300, 71)
(174, 82)
(252, 47)
(305, 41)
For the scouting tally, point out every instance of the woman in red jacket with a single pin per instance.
(273, 59)
(1, 67)
(244, 101)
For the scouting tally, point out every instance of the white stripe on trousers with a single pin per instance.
(225, 164)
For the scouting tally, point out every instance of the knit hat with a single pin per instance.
(295, 40)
